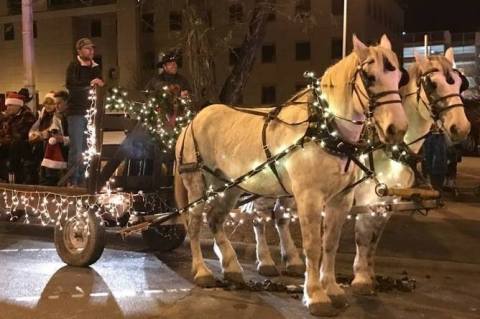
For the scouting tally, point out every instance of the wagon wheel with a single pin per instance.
(164, 238)
(80, 241)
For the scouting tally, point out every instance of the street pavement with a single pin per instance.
(128, 284)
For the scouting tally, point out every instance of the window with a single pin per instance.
(269, 94)
(8, 32)
(303, 8)
(302, 51)
(268, 53)
(337, 7)
(236, 13)
(175, 21)
(35, 32)
(234, 55)
(148, 23)
(96, 28)
(271, 16)
(337, 45)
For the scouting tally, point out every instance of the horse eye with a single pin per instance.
(388, 66)
(450, 79)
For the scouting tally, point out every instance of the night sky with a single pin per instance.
(453, 15)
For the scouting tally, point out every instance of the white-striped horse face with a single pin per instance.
(382, 72)
(444, 81)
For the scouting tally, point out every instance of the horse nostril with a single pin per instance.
(454, 130)
(391, 130)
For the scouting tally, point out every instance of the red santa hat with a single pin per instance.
(13, 98)
(53, 156)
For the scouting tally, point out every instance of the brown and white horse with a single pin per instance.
(230, 144)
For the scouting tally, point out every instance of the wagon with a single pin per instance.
(129, 175)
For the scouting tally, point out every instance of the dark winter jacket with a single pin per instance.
(435, 151)
(14, 128)
(78, 85)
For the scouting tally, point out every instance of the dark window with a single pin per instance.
(268, 53)
(337, 45)
(148, 23)
(149, 60)
(14, 6)
(236, 13)
(337, 7)
(8, 32)
(269, 94)
(175, 21)
(303, 8)
(302, 51)
(272, 16)
(234, 55)
(96, 28)
(35, 31)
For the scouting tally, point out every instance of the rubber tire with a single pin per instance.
(164, 238)
(93, 249)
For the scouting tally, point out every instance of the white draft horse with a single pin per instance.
(444, 81)
(432, 94)
(228, 142)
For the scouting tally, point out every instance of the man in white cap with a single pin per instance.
(14, 147)
(82, 74)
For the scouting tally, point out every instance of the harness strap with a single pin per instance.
(271, 115)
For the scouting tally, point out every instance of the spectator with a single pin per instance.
(82, 74)
(15, 150)
(46, 149)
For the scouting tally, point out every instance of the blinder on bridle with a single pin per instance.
(430, 88)
(373, 98)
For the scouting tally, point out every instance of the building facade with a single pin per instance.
(301, 35)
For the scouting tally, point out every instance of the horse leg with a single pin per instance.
(266, 265)
(232, 271)
(368, 230)
(291, 257)
(335, 215)
(309, 213)
(203, 276)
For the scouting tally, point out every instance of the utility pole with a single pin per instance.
(345, 16)
(29, 51)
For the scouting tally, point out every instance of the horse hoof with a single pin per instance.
(205, 281)
(363, 289)
(235, 277)
(268, 271)
(339, 301)
(295, 270)
(323, 310)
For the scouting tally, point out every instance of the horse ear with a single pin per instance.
(449, 55)
(360, 49)
(385, 42)
(421, 60)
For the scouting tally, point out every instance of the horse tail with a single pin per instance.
(181, 194)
